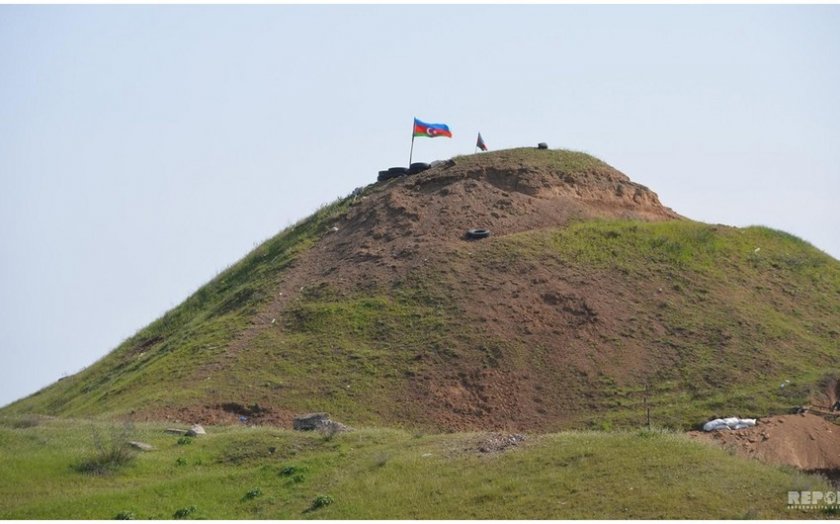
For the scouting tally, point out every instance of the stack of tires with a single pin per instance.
(394, 172)
(418, 167)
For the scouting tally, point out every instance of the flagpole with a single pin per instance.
(411, 153)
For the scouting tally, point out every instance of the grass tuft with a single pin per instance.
(111, 452)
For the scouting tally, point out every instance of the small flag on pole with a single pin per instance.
(431, 130)
(480, 143)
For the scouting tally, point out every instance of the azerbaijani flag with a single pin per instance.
(431, 130)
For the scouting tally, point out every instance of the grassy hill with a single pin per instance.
(590, 302)
(589, 299)
(259, 473)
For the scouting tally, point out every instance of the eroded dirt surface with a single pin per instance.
(805, 441)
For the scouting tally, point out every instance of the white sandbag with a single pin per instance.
(729, 423)
(714, 425)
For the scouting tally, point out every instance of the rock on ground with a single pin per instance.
(142, 446)
(313, 421)
(195, 430)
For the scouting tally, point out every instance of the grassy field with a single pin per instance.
(262, 473)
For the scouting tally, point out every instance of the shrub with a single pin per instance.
(184, 512)
(329, 430)
(294, 473)
(252, 494)
(124, 515)
(183, 441)
(180, 461)
(288, 471)
(110, 453)
(320, 502)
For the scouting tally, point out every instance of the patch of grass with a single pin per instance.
(649, 474)
(21, 421)
(560, 160)
(723, 324)
(154, 366)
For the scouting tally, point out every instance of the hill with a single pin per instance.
(589, 300)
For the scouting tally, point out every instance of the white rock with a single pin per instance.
(142, 446)
(196, 430)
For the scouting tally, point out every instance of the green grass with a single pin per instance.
(742, 310)
(559, 160)
(261, 473)
(348, 355)
(153, 366)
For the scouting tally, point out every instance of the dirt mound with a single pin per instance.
(506, 193)
(826, 395)
(805, 441)
(404, 226)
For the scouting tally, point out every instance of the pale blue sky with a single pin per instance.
(145, 148)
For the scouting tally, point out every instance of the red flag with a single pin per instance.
(480, 143)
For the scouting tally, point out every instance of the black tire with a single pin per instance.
(475, 234)
(418, 167)
(384, 175)
(398, 171)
